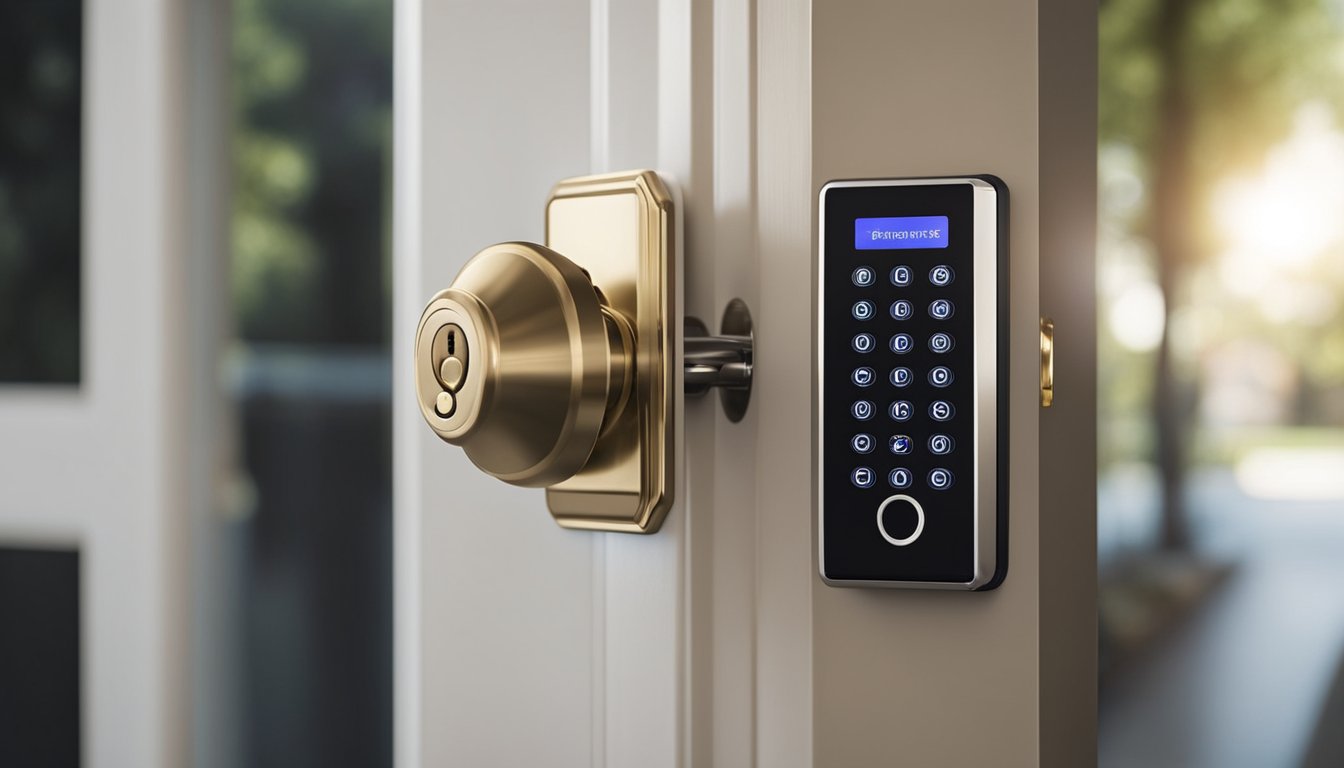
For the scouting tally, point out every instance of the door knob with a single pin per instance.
(525, 363)
(559, 365)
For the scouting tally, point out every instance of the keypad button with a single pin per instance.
(902, 276)
(864, 343)
(863, 477)
(902, 343)
(862, 443)
(901, 410)
(940, 376)
(861, 410)
(940, 445)
(863, 377)
(901, 310)
(863, 310)
(901, 377)
(900, 444)
(940, 479)
(941, 410)
(941, 275)
(899, 477)
(940, 342)
(940, 309)
(864, 277)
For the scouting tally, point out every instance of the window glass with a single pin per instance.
(309, 374)
(40, 160)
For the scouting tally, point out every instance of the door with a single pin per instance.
(100, 466)
(714, 641)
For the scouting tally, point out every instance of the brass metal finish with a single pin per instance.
(551, 374)
(1047, 362)
(528, 332)
(621, 228)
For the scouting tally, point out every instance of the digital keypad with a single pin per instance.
(902, 411)
(899, 443)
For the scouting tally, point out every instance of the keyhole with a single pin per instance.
(450, 358)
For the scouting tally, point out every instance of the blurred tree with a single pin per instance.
(1201, 89)
(311, 160)
(312, 100)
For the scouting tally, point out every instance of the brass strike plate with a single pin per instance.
(1047, 362)
(620, 228)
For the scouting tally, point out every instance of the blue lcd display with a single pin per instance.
(900, 232)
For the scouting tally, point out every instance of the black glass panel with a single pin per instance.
(40, 159)
(39, 657)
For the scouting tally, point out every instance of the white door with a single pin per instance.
(101, 467)
(714, 641)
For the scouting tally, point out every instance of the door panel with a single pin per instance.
(713, 642)
(505, 608)
(101, 467)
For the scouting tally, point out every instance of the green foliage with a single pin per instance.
(313, 99)
(1247, 65)
(1245, 68)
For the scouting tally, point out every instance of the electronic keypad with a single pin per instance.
(912, 358)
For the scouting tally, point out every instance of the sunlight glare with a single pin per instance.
(1301, 474)
(1290, 213)
(1137, 316)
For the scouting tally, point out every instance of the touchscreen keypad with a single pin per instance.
(898, 441)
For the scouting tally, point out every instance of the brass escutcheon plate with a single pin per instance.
(621, 229)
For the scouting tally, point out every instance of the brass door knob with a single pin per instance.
(521, 362)
(548, 373)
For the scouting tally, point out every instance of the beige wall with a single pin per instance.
(957, 87)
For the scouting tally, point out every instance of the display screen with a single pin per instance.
(900, 232)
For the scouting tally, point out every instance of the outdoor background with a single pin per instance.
(1221, 403)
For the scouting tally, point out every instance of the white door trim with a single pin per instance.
(102, 465)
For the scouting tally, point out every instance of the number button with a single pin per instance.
(901, 410)
(941, 275)
(940, 376)
(901, 310)
(863, 310)
(899, 478)
(940, 309)
(862, 477)
(862, 443)
(864, 343)
(861, 410)
(902, 343)
(940, 445)
(863, 377)
(901, 377)
(940, 342)
(863, 277)
(940, 479)
(902, 276)
(900, 444)
(941, 410)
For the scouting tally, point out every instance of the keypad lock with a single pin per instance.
(912, 426)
